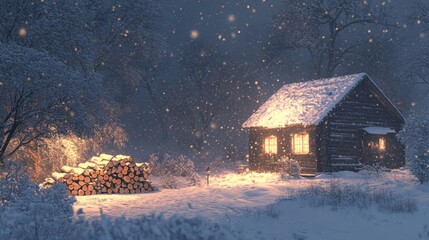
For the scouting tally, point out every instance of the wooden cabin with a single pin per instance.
(340, 123)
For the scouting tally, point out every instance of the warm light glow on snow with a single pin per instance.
(252, 179)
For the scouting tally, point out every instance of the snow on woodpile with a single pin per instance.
(105, 174)
(305, 103)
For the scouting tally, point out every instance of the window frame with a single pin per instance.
(304, 147)
(271, 143)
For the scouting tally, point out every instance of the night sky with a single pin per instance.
(241, 29)
(238, 28)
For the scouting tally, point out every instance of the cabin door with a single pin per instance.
(374, 150)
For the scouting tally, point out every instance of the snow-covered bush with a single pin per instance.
(28, 212)
(152, 228)
(289, 167)
(217, 163)
(267, 211)
(242, 167)
(342, 195)
(376, 171)
(14, 184)
(174, 170)
(415, 136)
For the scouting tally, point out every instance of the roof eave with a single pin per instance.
(286, 126)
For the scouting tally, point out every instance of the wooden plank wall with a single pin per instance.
(361, 108)
(258, 160)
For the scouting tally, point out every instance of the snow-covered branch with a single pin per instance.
(324, 28)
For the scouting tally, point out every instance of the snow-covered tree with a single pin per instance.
(417, 62)
(382, 61)
(16, 17)
(105, 40)
(48, 154)
(205, 91)
(415, 137)
(329, 31)
(113, 38)
(41, 96)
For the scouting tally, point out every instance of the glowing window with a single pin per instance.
(300, 143)
(270, 145)
(382, 144)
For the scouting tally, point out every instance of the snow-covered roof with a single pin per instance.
(305, 103)
(378, 130)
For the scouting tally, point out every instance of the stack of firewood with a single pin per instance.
(106, 174)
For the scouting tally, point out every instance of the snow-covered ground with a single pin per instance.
(241, 200)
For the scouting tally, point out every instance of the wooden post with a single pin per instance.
(208, 174)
